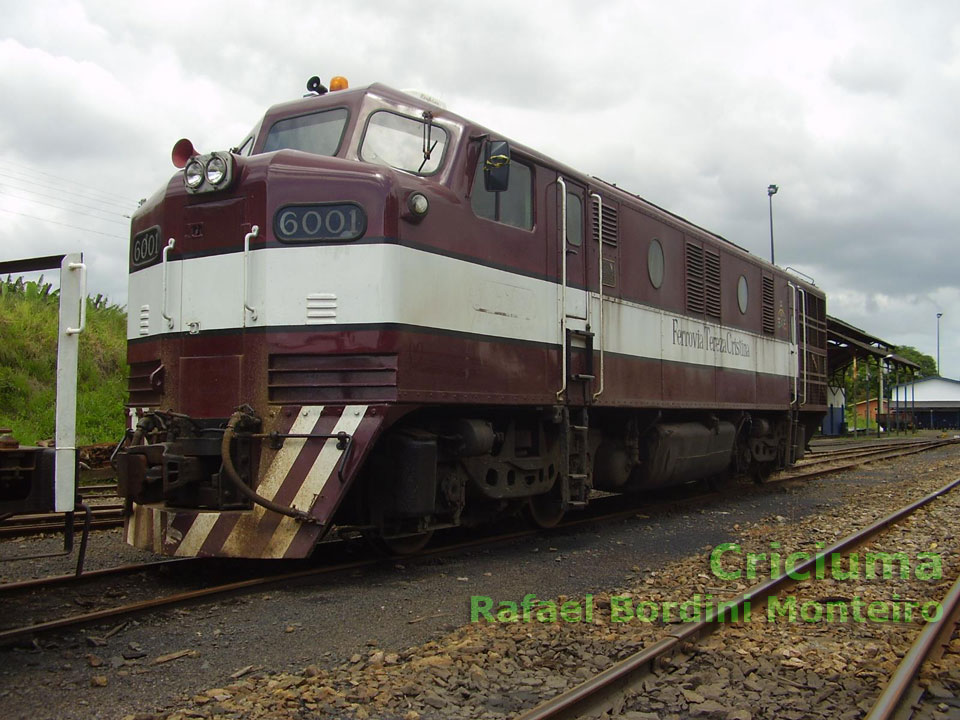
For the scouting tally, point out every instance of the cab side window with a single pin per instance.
(514, 206)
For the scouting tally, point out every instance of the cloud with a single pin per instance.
(697, 106)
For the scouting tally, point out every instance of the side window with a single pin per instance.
(511, 207)
(574, 219)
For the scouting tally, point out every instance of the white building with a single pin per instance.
(934, 401)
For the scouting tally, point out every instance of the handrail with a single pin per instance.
(254, 231)
(163, 307)
(599, 283)
(803, 319)
(799, 274)
(793, 339)
(563, 285)
(82, 267)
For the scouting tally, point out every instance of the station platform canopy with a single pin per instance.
(845, 343)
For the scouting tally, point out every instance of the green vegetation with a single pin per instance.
(866, 382)
(28, 365)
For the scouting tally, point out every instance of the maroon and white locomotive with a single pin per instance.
(376, 316)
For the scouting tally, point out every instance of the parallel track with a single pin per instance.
(599, 694)
(597, 512)
(104, 516)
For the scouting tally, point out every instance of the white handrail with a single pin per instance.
(600, 283)
(793, 339)
(563, 285)
(254, 231)
(163, 306)
(803, 319)
(82, 267)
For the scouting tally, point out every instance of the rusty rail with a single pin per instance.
(597, 694)
(930, 637)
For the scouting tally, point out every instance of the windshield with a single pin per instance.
(403, 142)
(319, 133)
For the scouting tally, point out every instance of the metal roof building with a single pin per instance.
(847, 345)
(934, 402)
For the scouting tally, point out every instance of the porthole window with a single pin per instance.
(655, 263)
(742, 294)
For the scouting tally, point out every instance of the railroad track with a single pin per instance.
(102, 490)
(104, 516)
(602, 509)
(854, 457)
(606, 691)
(903, 692)
(826, 451)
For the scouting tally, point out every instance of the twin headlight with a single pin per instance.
(205, 173)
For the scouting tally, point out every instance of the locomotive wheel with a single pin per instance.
(403, 545)
(761, 472)
(546, 510)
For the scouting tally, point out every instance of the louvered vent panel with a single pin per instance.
(319, 379)
(145, 384)
(769, 322)
(611, 224)
(712, 283)
(695, 287)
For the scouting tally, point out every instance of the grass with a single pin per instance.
(28, 365)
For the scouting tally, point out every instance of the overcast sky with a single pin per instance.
(852, 108)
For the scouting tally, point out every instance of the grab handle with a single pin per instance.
(82, 267)
(163, 310)
(254, 231)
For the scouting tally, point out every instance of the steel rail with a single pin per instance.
(595, 695)
(14, 634)
(820, 449)
(816, 456)
(51, 580)
(104, 516)
(901, 682)
(788, 473)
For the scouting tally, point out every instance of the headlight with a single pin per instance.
(193, 174)
(418, 204)
(216, 170)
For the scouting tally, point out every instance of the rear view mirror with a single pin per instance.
(496, 165)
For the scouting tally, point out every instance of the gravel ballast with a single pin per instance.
(396, 641)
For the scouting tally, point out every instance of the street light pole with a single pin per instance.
(771, 191)
(939, 315)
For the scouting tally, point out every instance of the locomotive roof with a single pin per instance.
(353, 97)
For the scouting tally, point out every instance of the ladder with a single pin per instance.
(577, 475)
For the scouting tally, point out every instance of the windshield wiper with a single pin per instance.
(427, 133)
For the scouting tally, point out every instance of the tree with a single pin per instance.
(865, 383)
(928, 366)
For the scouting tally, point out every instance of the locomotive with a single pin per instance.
(376, 316)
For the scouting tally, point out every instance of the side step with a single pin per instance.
(577, 480)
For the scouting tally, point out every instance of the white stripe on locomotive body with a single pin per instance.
(385, 283)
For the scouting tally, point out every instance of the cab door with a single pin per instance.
(576, 256)
(569, 232)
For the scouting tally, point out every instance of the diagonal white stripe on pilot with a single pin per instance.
(273, 479)
(323, 468)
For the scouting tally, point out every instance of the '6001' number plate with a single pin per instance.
(303, 223)
(145, 248)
